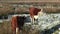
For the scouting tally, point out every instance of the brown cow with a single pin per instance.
(34, 12)
(17, 23)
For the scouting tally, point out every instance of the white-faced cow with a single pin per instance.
(17, 23)
(33, 13)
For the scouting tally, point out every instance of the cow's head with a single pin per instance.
(24, 17)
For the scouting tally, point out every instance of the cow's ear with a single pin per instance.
(23, 17)
(39, 10)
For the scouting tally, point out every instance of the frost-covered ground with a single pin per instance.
(47, 22)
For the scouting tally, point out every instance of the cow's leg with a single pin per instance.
(17, 30)
(14, 32)
(32, 21)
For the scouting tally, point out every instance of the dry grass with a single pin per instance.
(5, 28)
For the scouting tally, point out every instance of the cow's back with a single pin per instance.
(20, 21)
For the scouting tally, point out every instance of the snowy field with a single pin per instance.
(45, 22)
